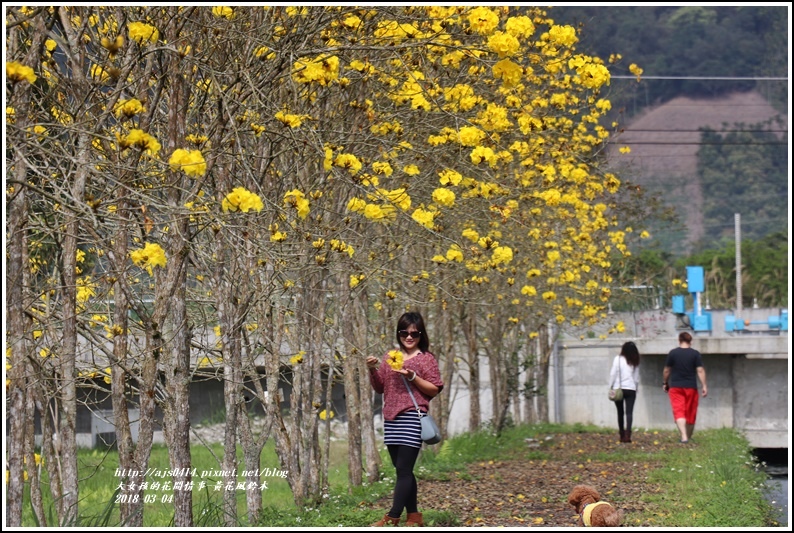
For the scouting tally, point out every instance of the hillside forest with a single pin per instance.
(742, 167)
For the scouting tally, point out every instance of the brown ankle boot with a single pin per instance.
(414, 520)
(622, 436)
(386, 521)
(628, 435)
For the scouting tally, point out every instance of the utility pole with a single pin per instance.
(737, 220)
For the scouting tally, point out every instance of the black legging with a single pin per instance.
(628, 396)
(404, 458)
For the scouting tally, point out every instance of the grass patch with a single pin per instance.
(713, 482)
(99, 487)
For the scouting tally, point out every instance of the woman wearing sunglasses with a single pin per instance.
(401, 427)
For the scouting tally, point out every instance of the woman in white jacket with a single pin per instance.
(626, 373)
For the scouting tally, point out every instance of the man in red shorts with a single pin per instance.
(684, 366)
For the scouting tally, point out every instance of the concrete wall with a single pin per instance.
(748, 376)
(585, 380)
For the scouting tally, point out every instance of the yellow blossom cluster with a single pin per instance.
(502, 255)
(349, 162)
(460, 97)
(412, 92)
(16, 71)
(483, 20)
(444, 196)
(562, 35)
(129, 108)
(503, 44)
(191, 162)
(293, 121)
(394, 358)
(85, 289)
(275, 234)
(151, 255)
(298, 200)
(341, 246)
(471, 136)
(264, 52)
(424, 217)
(393, 31)
(139, 139)
(374, 212)
(241, 199)
(223, 11)
(355, 279)
(99, 73)
(323, 69)
(143, 33)
(507, 71)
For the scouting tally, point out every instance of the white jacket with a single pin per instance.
(629, 376)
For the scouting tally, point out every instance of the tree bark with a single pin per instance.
(176, 427)
(16, 221)
(351, 376)
(67, 432)
(473, 363)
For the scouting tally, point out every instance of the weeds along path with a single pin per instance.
(531, 488)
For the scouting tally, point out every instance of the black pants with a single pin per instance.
(628, 396)
(405, 490)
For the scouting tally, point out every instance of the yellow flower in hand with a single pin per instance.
(395, 359)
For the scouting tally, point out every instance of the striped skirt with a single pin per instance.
(405, 430)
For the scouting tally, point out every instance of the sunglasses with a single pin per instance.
(412, 334)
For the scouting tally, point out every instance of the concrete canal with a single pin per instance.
(775, 464)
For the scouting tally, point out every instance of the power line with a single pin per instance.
(714, 78)
(689, 143)
(701, 131)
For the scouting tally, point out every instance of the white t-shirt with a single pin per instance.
(629, 375)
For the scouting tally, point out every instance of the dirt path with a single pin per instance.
(532, 488)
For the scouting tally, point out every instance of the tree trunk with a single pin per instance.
(366, 394)
(530, 381)
(473, 362)
(119, 363)
(176, 427)
(17, 260)
(48, 452)
(546, 344)
(33, 466)
(326, 448)
(311, 467)
(252, 453)
(496, 374)
(67, 432)
(447, 354)
(232, 396)
(281, 434)
(351, 360)
(17, 268)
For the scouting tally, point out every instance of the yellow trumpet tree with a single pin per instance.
(259, 192)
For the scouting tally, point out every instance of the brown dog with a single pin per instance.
(592, 511)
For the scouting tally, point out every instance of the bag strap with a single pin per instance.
(407, 386)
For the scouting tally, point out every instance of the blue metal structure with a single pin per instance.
(697, 319)
(779, 322)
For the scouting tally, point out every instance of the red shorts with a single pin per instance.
(684, 402)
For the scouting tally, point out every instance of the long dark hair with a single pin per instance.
(631, 353)
(414, 318)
